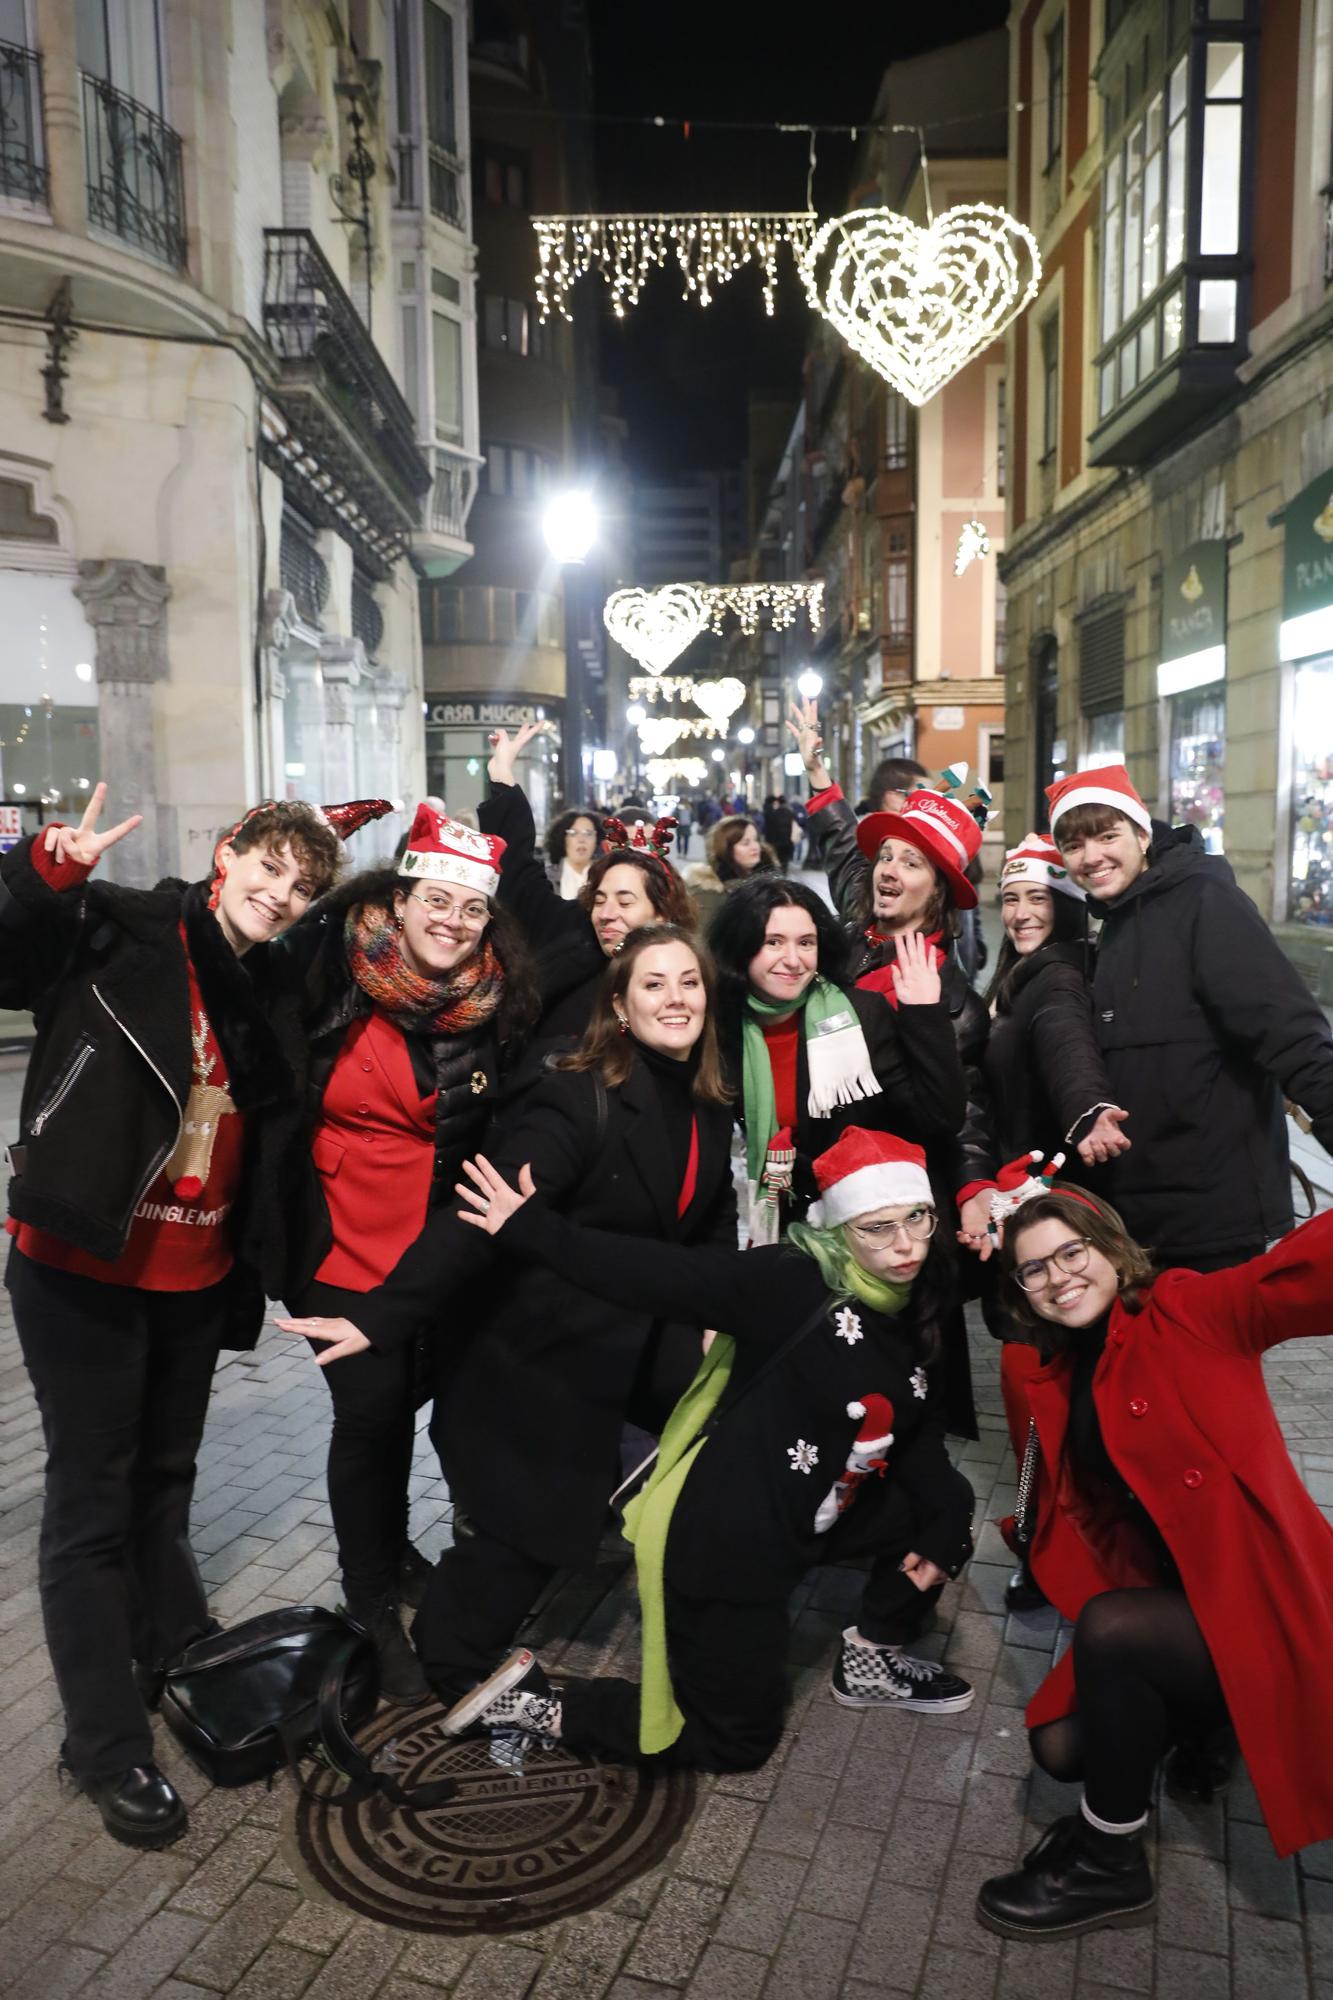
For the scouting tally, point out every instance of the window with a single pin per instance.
(514, 473)
(1050, 387)
(1101, 685)
(504, 176)
(120, 42)
(897, 597)
(1055, 96)
(1001, 627)
(441, 126)
(511, 326)
(1049, 761)
(1001, 436)
(447, 373)
(897, 431)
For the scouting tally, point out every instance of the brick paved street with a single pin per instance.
(846, 1867)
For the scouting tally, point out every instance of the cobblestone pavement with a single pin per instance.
(847, 1867)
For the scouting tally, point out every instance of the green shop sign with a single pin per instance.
(1307, 562)
(1194, 601)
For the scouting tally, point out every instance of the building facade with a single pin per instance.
(213, 491)
(1168, 575)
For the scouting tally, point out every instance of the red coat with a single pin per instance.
(1186, 1418)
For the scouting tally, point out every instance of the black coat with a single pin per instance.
(834, 827)
(743, 1527)
(291, 1233)
(1204, 1023)
(103, 970)
(535, 1376)
(569, 962)
(1044, 1070)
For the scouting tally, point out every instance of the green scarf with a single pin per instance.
(836, 1056)
(841, 1272)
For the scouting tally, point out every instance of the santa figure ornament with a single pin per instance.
(865, 1459)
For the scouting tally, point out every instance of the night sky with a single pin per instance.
(682, 373)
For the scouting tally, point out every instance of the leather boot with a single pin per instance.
(139, 1807)
(1076, 1878)
(401, 1678)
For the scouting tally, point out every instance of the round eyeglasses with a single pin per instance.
(471, 918)
(1035, 1274)
(919, 1227)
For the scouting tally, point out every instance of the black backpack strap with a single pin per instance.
(343, 1755)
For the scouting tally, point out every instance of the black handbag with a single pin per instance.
(279, 1688)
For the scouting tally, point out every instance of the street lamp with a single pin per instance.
(810, 683)
(718, 756)
(745, 735)
(635, 714)
(569, 528)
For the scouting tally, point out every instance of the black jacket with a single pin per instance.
(569, 962)
(1045, 1072)
(535, 1372)
(103, 970)
(293, 1235)
(834, 828)
(743, 1527)
(1204, 1023)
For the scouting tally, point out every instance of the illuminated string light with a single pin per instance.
(658, 732)
(661, 770)
(748, 602)
(716, 698)
(655, 626)
(973, 541)
(719, 700)
(624, 250)
(918, 304)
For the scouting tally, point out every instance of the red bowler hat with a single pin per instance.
(941, 827)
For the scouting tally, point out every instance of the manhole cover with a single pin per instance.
(513, 1849)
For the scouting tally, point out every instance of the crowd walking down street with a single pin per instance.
(475, 1135)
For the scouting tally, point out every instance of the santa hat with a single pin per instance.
(874, 1415)
(941, 826)
(1104, 785)
(865, 1171)
(1023, 1179)
(444, 850)
(1038, 860)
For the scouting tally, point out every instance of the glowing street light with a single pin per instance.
(569, 526)
(635, 714)
(745, 735)
(810, 683)
(718, 756)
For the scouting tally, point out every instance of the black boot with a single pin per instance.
(139, 1807)
(414, 1573)
(401, 1678)
(1076, 1878)
(1023, 1592)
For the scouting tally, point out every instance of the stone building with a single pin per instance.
(213, 491)
(1168, 568)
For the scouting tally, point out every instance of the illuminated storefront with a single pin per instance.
(1191, 682)
(1307, 643)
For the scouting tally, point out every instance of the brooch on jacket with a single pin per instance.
(478, 1082)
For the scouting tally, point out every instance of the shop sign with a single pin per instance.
(1194, 619)
(948, 718)
(11, 827)
(482, 712)
(1307, 571)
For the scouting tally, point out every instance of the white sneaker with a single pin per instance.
(501, 1701)
(870, 1676)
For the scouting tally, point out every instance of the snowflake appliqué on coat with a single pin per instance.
(804, 1457)
(919, 1384)
(847, 1326)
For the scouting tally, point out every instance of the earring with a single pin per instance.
(398, 923)
(624, 1024)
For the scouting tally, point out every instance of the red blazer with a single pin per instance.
(1187, 1421)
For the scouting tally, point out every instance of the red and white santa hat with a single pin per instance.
(941, 827)
(444, 850)
(865, 1171)
(1038, 860)
(1104, 785)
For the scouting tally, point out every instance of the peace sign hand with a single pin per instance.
(506, 749)
(83, 844)
(915, 974)
(803, 722)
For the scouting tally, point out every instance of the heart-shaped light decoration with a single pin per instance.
(719, 700)
(657, 733)
(655, 626)
(918, 304)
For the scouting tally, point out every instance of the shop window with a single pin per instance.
(1198, 748)
(1103, 740)
(1049, 760)
(1101, 663)
(1311, 885)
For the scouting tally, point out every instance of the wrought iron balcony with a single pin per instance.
(452, 492)
(444, 175)
(311, 324)
(367, 618)
(304, 572)
(22, 170)
(135, 187)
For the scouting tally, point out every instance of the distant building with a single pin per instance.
(689, 529)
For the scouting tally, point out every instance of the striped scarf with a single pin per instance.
(455, 1004)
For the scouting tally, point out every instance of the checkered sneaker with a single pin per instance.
(536, 1714)
(868, 1676)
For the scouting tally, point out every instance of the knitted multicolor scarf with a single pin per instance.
(452, 1005)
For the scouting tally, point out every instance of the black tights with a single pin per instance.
(1145, 1678)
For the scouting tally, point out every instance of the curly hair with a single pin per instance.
(557, 830)
(606, 1049)
(1090, 1218)
(671, 900)
(521, 1001)
(292, 823)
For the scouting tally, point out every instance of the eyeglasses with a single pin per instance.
(1035, 1275)
(472, 917)
(918, 1227)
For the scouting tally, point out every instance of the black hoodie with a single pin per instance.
(1204, 1024)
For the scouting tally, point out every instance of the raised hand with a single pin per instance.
(506, 749)
(915, 973)
(803, 722)
(1104, 1140)
(83, 843)
(976, 1231)
(342, 1337)
(492, 1200)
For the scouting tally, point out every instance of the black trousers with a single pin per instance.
(370, 1450)
(727, 1654)
(122, 1379)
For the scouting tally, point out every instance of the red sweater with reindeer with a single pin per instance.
(179, 1239)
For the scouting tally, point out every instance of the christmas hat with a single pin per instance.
(1037, 859)
(875, 1421)
(942, 827)
(444, 850)
(345, 820)
(638, 839)
(1104, 785)
(864, 1171)
(1023, 1179)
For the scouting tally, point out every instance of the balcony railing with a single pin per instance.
(444, 174)
(135, 187)
(304, 572)
(452, 492)
(308, 317)
(367, 618)
(22, 169)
